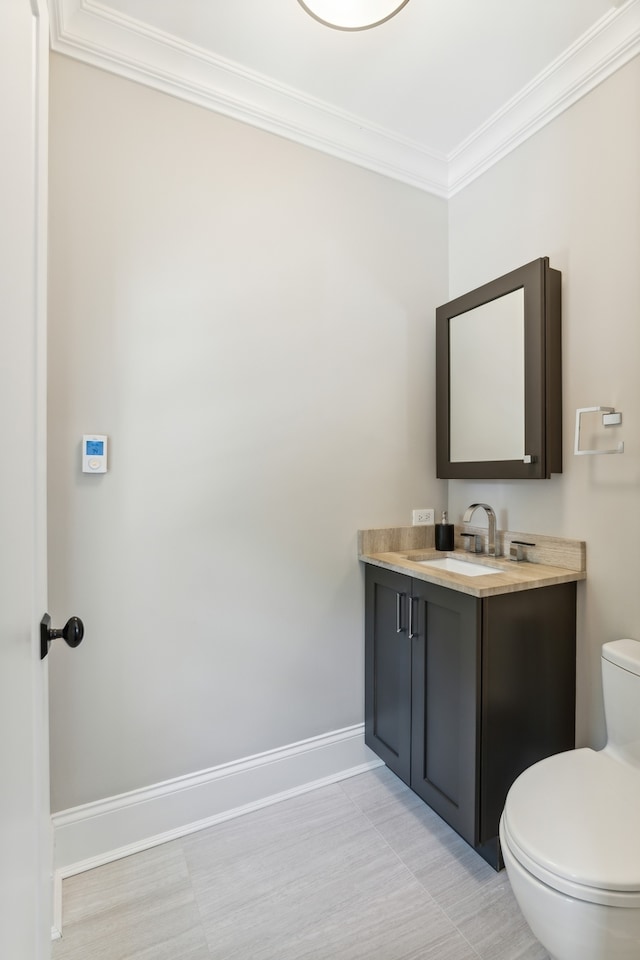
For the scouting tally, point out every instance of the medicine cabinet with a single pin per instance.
(499, 378)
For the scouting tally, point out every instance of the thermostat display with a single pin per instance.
(94, 454)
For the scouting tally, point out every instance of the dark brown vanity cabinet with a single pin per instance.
(462, 694)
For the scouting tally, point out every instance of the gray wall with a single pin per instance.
(251, 323)
(572, 193)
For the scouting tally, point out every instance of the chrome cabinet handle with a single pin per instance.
(399, 627)
(411, 634)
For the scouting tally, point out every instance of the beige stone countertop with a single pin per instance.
(402, 555)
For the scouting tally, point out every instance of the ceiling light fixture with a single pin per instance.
(352, 14)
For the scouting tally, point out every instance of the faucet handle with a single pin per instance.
(517, 551)
(472, 542)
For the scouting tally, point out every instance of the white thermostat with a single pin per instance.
(94, 453)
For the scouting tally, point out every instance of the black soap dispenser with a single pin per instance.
(444, 534)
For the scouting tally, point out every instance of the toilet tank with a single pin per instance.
(621, 689)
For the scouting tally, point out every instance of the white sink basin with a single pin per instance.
(465, 567)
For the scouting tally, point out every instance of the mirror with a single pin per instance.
(498, 378)
(491, 338)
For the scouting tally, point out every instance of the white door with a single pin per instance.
(25, 847)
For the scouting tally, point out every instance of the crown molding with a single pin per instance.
(611, 43)
(95, 34)
(92, 32)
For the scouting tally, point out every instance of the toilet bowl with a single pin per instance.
(570, 832)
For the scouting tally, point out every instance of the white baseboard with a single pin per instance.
(96, 833)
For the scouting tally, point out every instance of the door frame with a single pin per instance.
(26, 868)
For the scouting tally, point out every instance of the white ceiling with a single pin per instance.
(432, 97)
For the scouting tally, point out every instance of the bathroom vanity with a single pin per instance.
(468, 679)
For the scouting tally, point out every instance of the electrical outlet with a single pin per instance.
(424, 517)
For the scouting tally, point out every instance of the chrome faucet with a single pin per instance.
(491, 546)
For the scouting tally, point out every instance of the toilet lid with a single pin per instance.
(576, 816)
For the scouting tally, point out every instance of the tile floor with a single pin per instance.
(360, 869)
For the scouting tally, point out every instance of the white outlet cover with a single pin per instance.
(425, 516)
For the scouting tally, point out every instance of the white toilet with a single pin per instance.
(570, 831)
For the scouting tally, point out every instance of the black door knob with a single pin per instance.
(72, 633)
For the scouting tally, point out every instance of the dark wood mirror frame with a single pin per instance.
(542, 376)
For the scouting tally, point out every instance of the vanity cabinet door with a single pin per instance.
(445, 700)
(388, 669)
(528, 689)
